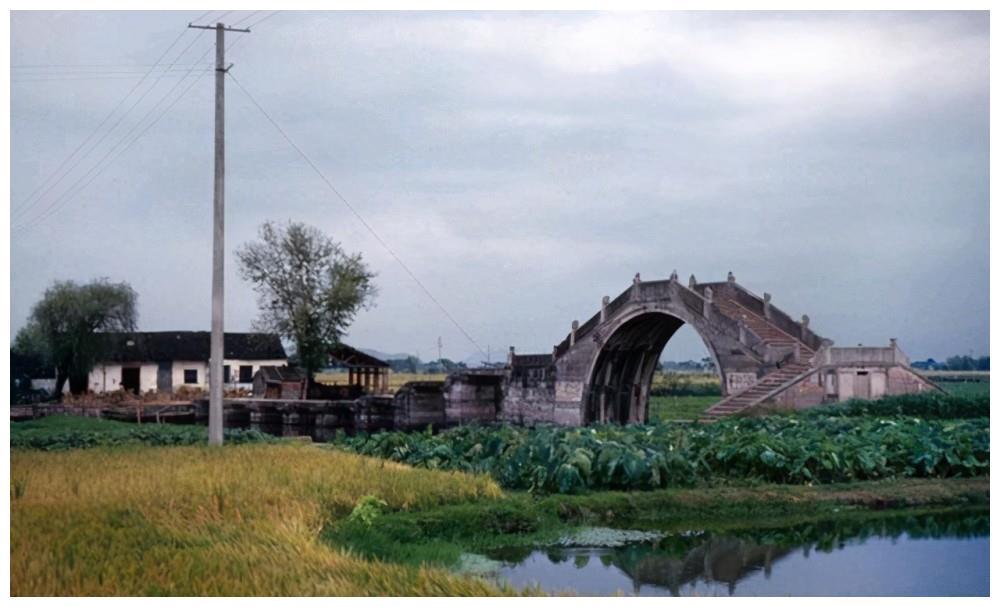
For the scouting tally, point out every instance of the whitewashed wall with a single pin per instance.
(177, 373)
(108, 377)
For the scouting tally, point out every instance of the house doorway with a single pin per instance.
(130, 379)
(164, 377)
(862, 385)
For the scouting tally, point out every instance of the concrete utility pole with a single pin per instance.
(218, 235)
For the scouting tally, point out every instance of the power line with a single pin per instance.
(115, 126)
(52, 210)
(88, 66)
(47, 212)
(262, 20)
(103, 122)
(203, 15)
(111, 77)
(235, 23)
(54, 206)
(83, 143)
(356, 214)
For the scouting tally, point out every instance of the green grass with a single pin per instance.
(966, 388)
(679, 408)
(441, 535)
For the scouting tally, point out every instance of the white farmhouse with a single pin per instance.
(164, 361)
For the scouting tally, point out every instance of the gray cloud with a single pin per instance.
(525, 164)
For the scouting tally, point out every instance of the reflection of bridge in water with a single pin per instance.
(677, 561)
(723, 559)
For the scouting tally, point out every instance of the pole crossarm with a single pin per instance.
(224, 28)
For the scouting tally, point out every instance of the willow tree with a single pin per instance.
(64, 327)
(309, 290)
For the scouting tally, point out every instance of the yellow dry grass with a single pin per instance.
(396, 380)
(240, 520)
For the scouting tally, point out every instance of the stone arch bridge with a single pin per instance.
(602, 371)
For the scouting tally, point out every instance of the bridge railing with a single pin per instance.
(617, 303)
(778, 317)
(695, 302)
(586, 328)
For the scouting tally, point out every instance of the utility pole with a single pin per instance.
(217, 351)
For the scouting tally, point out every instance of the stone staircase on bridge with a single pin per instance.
(799, 360)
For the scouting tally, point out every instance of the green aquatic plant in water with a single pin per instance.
(606, 537)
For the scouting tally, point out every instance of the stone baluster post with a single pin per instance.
(805, 327)
(731, 279)
(797, 353)
(894, 348)
(743, 331)
(767, 306)
(604, 307)
(635, 286)
(706, 309)
(692, 282)
(673, 276)
(510, 357)
(572, 333)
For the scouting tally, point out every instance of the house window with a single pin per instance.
(246, 374)
(225, 374)
(190, 376)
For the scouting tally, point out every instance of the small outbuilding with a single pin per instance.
(279, 382)
(364, 370)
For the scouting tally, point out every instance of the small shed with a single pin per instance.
(364, 370)
(279, 382)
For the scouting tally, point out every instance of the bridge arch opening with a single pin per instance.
(622, 374)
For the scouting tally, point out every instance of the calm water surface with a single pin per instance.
(939, 555)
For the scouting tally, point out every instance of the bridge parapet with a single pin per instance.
(654, 291)
(696, 303)
(762, 306)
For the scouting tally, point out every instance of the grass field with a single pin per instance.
(674, 380)
(678, 408)
(241, 520)
(966, 388)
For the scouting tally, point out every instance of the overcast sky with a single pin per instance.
(525, 164)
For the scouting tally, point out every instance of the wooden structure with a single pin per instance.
(364, 370)
(279, 382)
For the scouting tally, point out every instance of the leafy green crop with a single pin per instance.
(804, 449)
(59, 433)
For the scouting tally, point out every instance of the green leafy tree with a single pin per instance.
(64, 327)
(309, 290)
